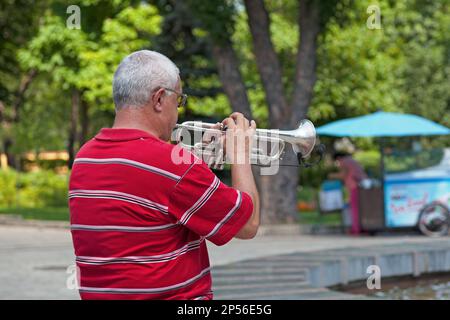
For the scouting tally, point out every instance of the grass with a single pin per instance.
(313, 217)
(62, 214)
(50, 213)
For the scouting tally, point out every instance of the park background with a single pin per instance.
(275, 61)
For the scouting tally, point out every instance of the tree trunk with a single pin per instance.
(7, 122)
(20, 94)
(268, 63)
(74, 112)
(230, 76)
(279, 192)
(84, 122)
(305, 76)
(233, 84)
(10, 156)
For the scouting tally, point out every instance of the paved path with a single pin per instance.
(307, 274)
(34, 262)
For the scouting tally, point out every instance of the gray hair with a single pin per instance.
(139, 75)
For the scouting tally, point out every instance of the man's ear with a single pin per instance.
(157, 99)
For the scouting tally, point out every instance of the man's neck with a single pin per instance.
(133, 119)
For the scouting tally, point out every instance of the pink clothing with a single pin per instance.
(354, 211)
(354, 172)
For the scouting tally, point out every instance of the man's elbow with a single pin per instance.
(252, 233)
(249, 231)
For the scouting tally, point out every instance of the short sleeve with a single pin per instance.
(208, 207)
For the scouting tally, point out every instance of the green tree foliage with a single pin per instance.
(18, 24)
(33, 189)
(427, 68)
(402, 67)
(70, 59)
(19, 21)
(129, 31)
(184, 39)
(73, 59)
(405, 66)
(358, 70)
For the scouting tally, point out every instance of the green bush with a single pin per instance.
(8, 188)
(307, 194)
(315, 175)
(46, 164)
(401, 161)
(370, 161)
(33, 190)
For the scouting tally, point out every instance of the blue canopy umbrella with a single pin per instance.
(383, 124)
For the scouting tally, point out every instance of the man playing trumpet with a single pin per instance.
(139, 219)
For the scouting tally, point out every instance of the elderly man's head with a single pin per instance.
(148, 82)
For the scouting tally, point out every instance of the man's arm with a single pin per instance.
(241, 173)
(242, 180)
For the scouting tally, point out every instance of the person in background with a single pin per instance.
(351, 173)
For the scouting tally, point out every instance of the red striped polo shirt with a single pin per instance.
(140, 212)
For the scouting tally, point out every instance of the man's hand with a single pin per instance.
(238, 138)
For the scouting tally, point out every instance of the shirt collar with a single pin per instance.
(122, 134)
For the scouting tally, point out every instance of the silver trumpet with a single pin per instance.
(205, 141)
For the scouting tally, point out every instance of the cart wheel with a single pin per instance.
(434, 220)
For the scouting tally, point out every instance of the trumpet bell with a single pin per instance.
(302, 139)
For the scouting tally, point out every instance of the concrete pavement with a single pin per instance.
(308, 274)
(34, 261)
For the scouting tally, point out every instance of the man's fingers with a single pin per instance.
(247, 123)
(239, 119)
(234, 115)
(229, 122)
(238, 138)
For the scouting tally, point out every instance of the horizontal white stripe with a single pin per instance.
(133, 163)
(145, 290)
(228, 216)
(121, 228)
(201, 201)
(141, 259)
(108, 194)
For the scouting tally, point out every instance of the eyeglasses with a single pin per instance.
(181, 97)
